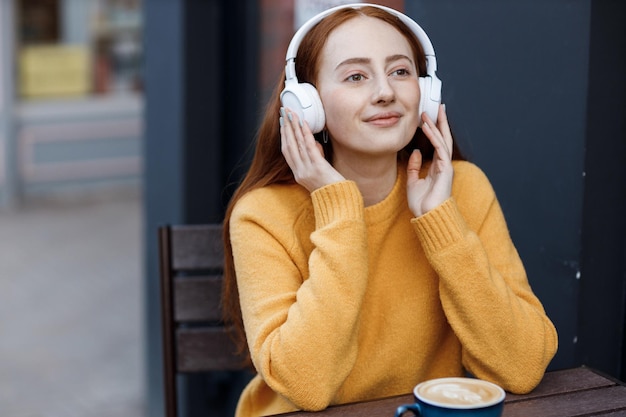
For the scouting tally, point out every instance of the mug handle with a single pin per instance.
(415, 408)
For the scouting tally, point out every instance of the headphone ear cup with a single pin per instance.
(430, 96)
(314, 114)
(304, 99)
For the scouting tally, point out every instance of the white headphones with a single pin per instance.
(304, 99)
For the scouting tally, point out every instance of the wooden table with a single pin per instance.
(571, 392)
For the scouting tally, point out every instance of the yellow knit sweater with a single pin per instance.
(343, 303)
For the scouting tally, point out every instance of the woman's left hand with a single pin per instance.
(424, 194)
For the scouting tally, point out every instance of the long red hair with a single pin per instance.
(268, 165)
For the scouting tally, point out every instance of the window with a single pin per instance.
(78, 47)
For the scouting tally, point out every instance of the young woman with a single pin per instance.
(372, 258)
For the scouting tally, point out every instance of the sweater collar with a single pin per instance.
(391, 205)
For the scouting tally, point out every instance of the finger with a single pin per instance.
(292, 123)
(444, 127)
(289, 144)
(436, 138)
(304, 137)
(320, 148)
(313, 147)
(414, 165)
(287, 138)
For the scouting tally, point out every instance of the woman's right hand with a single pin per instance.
(304, 155)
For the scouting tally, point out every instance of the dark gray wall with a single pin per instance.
(521, 98)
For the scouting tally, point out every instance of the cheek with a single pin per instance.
(411, 96)
(337, 107)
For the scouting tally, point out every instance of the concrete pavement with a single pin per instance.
(71, 308)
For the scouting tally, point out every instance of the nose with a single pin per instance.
(384, 92)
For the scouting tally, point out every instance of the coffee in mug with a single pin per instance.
(455, 397)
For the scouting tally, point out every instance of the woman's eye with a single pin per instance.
(355, 77)
(402, 72)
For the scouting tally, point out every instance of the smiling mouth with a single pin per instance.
(384, 120)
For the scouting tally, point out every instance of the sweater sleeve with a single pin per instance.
(505, 334)
(300, 309)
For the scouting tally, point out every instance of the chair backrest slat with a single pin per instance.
(197, 299)
(196, 247)
(194, 337)
(206, 348)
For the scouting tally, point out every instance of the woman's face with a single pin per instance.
(368, 83)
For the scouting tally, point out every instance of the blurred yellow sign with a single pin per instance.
(54, 70)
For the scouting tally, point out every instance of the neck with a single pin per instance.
(374, 178)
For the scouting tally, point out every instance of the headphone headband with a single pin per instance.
(422, 37)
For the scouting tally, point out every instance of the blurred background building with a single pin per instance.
(72, 103)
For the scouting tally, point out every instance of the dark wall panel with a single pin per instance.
(603, 283)
(164, 162)
(515, 83)
(204, 109)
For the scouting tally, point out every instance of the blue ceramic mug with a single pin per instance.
(455, 397)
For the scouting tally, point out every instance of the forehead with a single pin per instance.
(364, 37)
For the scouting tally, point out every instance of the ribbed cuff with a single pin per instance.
(337, 201)
(440, 227)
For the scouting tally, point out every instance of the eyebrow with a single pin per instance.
(389, 59)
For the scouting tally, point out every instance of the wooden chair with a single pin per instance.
(194, 338)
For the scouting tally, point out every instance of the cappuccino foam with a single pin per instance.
(459, 392)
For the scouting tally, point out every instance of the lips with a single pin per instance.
(384, 119)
